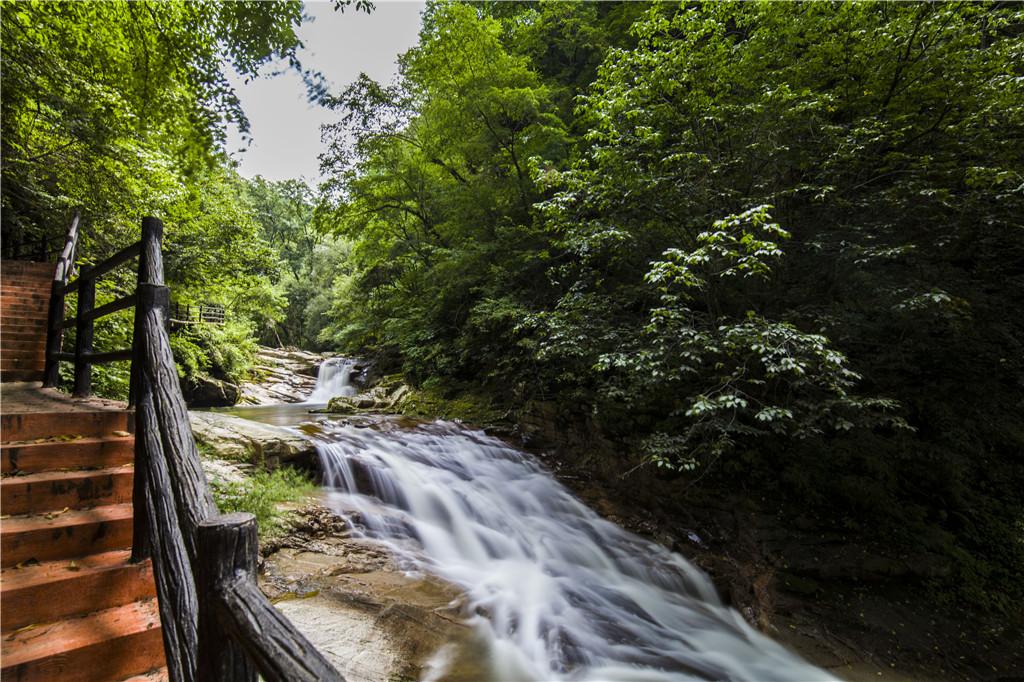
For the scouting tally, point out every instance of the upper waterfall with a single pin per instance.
(333, 380)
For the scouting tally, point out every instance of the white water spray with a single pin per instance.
(554, 591)
(333, 380)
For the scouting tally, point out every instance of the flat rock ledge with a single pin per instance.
(242, 440)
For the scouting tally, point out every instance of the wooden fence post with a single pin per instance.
(54, 333)
(55, 316)
(150, 297)
(228, 545)
(83, 336)
(151, 271)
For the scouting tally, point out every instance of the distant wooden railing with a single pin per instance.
(216, 623)
(185, 314)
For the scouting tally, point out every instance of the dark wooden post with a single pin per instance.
(228, 545)
(168, 537)
(54, 332)
(172, 566)
(55, 317)
(83, 336)
(150, 297)
(151, 271)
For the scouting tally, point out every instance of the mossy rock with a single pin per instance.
(468, 408)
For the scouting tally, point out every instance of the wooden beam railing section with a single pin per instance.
(186, 313)
(216, 623)
(87, 312)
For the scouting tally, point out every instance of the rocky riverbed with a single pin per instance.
(374, 620)
(371, 618)
(281, 375)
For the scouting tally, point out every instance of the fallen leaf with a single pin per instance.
(121, 433)
(26, 628)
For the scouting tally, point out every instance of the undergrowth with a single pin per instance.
(263, 494)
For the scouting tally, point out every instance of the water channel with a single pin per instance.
(554, 591)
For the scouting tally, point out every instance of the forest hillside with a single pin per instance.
(762, 255)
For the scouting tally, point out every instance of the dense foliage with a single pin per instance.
(768, 247)
(766, 244)
(120, 109)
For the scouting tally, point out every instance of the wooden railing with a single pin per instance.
(185, 314)
(216, 623)
(146, 249)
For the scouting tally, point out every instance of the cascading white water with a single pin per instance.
(554, 591)
(333, 380)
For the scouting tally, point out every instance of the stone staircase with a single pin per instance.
(24, 304)
(72, 605)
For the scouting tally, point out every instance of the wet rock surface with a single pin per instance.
(209, 392)
(372, 619)
(242, 440)
(282, 375)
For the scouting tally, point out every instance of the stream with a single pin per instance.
(553, 591)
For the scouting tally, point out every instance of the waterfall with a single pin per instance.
(554, 591)
(333, 380)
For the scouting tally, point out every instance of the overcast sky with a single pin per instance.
(285, 128)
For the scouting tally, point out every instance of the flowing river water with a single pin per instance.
(554, 592)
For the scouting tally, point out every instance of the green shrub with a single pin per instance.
(262, 495)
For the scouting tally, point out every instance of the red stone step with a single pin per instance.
(58, 589)
(34, 284)
(19, 358)
(65, 536)
(33, 425)
(158, 675)
(21, 375)
(27, 328)
(106, 452)
(33, 322)
(33, 350)
(23, 349)
(22, 364)
(17, 266)
(24, 309)
(55, 490)
(22, 336)
(39, 283)
(107, 645)
(35, 292)
(25, 303)
(22, 327)
(24, 295)
(15, 323)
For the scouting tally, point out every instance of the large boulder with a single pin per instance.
(243, 440)
(381, 398)
(204, 391)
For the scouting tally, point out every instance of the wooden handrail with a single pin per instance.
(216, 623)
(87, 312)
(96, 271)
(55, 317)
(237, 625)
(113, 307)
